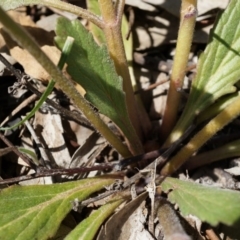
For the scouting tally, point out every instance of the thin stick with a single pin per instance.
(14, 71)
(26, 159)
(130, 22)
(55, 172)
(97, 198)
(22, 105)
(4, 151)
(152, 86)
(159, 161)
(76, 116)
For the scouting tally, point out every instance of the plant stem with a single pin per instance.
(112, 17)
(216, 124)
(27, 42)
(184, 41)
(83, 13)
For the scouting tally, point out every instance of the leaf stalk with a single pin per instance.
(184, 41)
(112, 16)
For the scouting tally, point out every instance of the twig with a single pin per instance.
(15, 72)
(26, 159)
(130, 22)
(135, 159)
(55, 172)
(152, 86)
(159, 161)
(22, 105)
(63, 111)
(4, 151)
(128, 161)
(97, 198)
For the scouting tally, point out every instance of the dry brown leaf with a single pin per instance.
(88, 151)
(43, 38)
(30, 64)
(127, 223)
(49, 126)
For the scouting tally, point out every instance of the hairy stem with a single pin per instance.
(112, 16)
(27, 42)
(184, 41)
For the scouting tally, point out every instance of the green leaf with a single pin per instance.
(30, 153)
(210, 204)
(35, 212)
(91, 66)
(88, 228)
(218, 67)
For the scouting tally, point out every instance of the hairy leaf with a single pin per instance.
(91, 66)
(35, 212)
(210, 204)
(218, 67)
